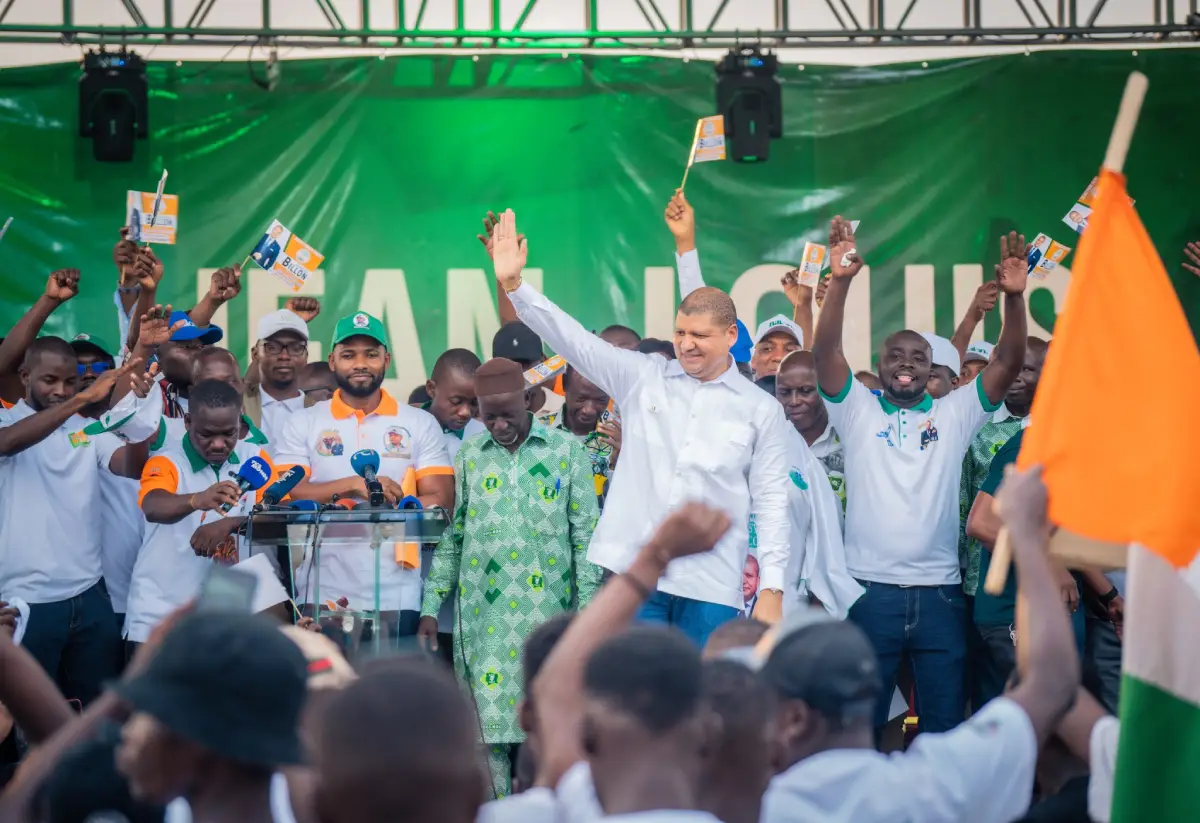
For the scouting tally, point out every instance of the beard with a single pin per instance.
(909, 392)
(360, 390)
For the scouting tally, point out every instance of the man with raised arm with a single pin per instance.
(694, 428)
(903, 460)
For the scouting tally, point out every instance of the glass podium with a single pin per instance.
(351, 570)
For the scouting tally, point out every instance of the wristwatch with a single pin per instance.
(1108, 597)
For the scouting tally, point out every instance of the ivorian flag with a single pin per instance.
(1124, 471)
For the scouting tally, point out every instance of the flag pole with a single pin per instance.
(691, 155)
(1114, 161)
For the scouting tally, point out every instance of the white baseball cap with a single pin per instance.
(778, 323)
(980, 350)
(282, 320)
(944, 353)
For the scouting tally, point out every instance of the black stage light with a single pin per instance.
(748, 94)
(113, 103)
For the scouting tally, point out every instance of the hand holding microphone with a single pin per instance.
(252, 476)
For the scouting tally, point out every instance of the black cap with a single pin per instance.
(516, 341)
(232, 683)
(827, 663)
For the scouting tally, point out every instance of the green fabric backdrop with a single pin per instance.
(386, 166)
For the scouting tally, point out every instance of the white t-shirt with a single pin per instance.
(50, 505)
(981, 772)
(275, 413)
(178, 810)
(664, 816)
(122, 529)
(572, 801)
(905, 466)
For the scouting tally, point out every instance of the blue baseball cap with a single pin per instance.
(744, 347)
(190, 331)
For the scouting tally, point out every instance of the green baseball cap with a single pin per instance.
(360, 323)
(92, 341)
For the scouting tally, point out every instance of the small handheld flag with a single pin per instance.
(158, 199)
(708, 143)
(286, 256)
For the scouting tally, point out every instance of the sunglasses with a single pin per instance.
(96, 368)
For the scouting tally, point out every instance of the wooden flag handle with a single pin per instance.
(1127, 117)
(691, 155)
(997, 575)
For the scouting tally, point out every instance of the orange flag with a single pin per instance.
(1117, 412)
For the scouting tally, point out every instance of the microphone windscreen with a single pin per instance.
(361, 460)
(255, 472)
(410, 503)
(305, 505)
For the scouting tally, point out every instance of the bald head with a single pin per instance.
(710, 301)
(212, 363)
(798, 359)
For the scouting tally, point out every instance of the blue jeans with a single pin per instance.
(695, 618)
(928, 624)
(77, 642)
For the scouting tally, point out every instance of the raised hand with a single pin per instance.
(796, 292)
(147, 269)
(822, 287)
(307, 308)
(123, 254)
(509, 251)
(225, 284)
(1192, 252)
(489, 228)
(1014, 263)
(985, 297)
(103, 385)
(142, 382)
(62, 285)
(693, 528)
(841, 246)
(155, 327)
(681, 220)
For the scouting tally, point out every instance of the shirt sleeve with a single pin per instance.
(769, 498)
(969, 408)
(430, 456)
(582, 513)
(615, 370)
(688, 266)
(159, 472)
(447, 557)
(846, 407)
(981, 771)
(106, 445)
(291, 448)
(577, 795)
(1006, 455)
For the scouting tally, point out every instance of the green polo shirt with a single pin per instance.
(998, 610)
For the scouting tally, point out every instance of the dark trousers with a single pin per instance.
(76, 641)
(926, 624)
(1102, 662)
(695, 618)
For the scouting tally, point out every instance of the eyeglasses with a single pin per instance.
(275, 349)
(96, 368)
(318, 395)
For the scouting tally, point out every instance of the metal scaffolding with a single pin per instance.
(1047, 22)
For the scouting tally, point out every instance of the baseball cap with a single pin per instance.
(360, 323)
(980, 350)
(94, 342)
(944, 353)
(516, 341)
(778, 323)
(282, 320)
(825, 662)
(232, 683)
(190, 331)
(743, 347)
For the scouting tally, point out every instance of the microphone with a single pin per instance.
(304, 506)
(410, 503)
(282, 487)
(365, 464)
(252, 476)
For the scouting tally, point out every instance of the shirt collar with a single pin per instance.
(296, 402)
(253, 433)
(537, 429)
(675, 369)
(827, 434)
(197, 461)
(924, 406)
(428, 406)
(1001, 414)
(387, 407)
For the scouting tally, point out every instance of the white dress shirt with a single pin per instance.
(276, 413)
(721, 442)
(981, 771)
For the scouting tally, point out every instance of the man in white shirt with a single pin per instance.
(826, 676)
(693, 429)
(904, 452)
(50, 508)
(281, 354)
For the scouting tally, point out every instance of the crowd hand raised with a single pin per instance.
(985, 297)
(103, 385)
(1192, 252)
(143, 381)
(693, 528)
(306, 308)
(681, 219)
(1014, 263)
(156, 328)
(841, 246)
(123, 254)
(225, 284)
(215, 496)
(147, 269)
(510, 251)
(822, 287)
(489, 230)
(796, 292)
(62, 285)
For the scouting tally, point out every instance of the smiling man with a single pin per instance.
(694, 429)
(903, 454)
